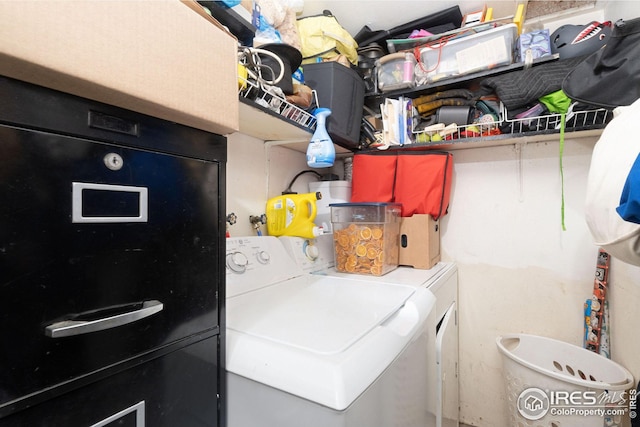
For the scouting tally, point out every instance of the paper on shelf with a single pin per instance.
(396, 121)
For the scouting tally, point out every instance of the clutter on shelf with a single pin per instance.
(482, 79)
(265, 78)
(448, 76)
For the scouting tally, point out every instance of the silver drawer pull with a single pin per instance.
(81, 324)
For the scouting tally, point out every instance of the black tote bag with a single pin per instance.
(609, 77)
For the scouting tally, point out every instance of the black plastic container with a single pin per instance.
(435, 23)
(340, 89)
(291, 59)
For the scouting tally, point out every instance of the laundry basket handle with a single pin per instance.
(509, 343)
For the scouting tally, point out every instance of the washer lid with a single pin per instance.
(319, 314)
(324, 339)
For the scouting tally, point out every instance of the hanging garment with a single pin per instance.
(613, 187)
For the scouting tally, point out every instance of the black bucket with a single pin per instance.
(291, 60)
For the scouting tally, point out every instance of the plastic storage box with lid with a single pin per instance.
(395, 71)
(366, 237)
(341, 90)
(481, 51)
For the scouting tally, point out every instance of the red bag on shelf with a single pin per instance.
(423, 182)
(373, 177)
(419, 180)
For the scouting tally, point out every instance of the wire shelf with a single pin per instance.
(267, 98)
(574, 121)
(505, 126)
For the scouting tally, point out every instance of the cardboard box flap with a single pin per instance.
(158, 58)
(197, 7)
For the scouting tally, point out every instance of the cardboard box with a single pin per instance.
(419, 241)
(165, 58)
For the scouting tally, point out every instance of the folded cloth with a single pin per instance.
(556, 102)
(431, 107)
(428, 104)
(523, 87)
(451, 93)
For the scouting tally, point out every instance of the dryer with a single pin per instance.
(321, 351)
(315, 256)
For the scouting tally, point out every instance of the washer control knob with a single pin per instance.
(237, 262)
(263, 257)
(312, 252)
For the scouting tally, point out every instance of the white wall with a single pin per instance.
(625, 9)
(246, 181)
(258, 171)
(519, 271)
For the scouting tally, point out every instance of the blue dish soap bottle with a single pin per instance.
(321, 153)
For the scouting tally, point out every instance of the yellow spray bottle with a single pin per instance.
(293, 215)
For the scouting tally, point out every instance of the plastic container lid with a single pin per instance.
(348, 205)
(365, 212)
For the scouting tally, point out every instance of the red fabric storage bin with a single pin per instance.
(423, 182)
(419, 180)
(373, 177)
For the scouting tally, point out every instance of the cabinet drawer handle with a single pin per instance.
(77, 202)
(138, 409)
(100, 320)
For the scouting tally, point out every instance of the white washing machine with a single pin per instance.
(320, 351)
(316, 256)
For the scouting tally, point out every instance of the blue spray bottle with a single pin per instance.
(321, 153)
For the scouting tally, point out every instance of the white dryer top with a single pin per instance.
(402, 275)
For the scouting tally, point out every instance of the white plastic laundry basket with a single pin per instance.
(542, 375)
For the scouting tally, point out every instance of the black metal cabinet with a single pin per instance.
(111, 246)
(178, 389)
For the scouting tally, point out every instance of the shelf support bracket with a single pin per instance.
(518, 147)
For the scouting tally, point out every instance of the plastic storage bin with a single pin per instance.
(341, 90)
(366, 237)
(395, 71)
(551, 383)
(484, 50)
